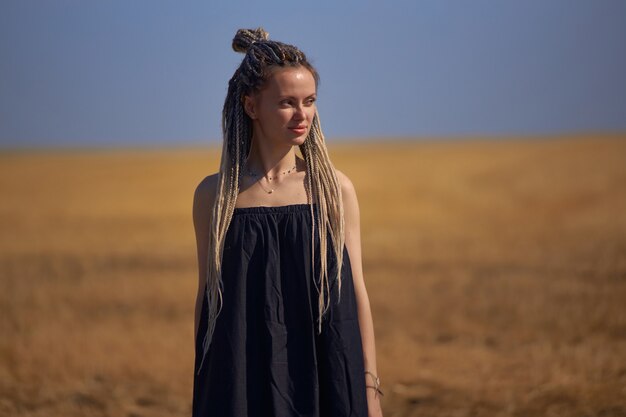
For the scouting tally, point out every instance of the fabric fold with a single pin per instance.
(266, 357)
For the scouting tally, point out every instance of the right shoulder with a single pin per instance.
(204, 195)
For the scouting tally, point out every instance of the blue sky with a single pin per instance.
(143, 72)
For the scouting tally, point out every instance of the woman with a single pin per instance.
(280, 328)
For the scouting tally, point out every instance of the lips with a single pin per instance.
(298, 129)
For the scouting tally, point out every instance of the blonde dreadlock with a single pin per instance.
(322, 186)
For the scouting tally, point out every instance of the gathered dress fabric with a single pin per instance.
(266, 357)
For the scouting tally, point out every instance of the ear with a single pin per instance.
(249, 106)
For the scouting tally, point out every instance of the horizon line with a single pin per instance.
(373, 139)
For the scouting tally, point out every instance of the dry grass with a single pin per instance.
(496, 272)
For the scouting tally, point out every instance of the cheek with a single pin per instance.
(275, 117)
(285, 116)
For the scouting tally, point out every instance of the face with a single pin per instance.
(282, 112)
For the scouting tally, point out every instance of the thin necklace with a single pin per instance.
(271, 190)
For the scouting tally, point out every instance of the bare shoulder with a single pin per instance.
(349, 199)
(206, 189)
(208, 186)
(351, 213)
(347, 187)
(204, 195)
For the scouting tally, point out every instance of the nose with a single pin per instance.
(299, 113)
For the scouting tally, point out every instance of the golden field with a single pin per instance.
(496, 270)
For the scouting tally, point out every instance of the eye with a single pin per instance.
(310, 101)
(285, 103)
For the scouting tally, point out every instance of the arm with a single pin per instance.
(203, 198)
(366, 323)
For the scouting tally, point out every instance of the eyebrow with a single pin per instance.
(292, 97)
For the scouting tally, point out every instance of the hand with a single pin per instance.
(373, 403)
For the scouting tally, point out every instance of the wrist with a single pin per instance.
(376, 383)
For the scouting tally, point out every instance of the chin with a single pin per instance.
(298, 140)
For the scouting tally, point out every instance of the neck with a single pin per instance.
(270, 161)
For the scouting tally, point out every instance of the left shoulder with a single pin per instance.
(348, 192)
(351, 212)
(347, 188)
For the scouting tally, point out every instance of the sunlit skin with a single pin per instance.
(282, 113)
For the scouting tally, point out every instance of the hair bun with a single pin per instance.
(246, 37)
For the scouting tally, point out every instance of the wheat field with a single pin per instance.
(496, 270)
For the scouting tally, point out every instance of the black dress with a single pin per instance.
(266, 358)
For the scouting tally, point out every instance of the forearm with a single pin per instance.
(366, 325)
